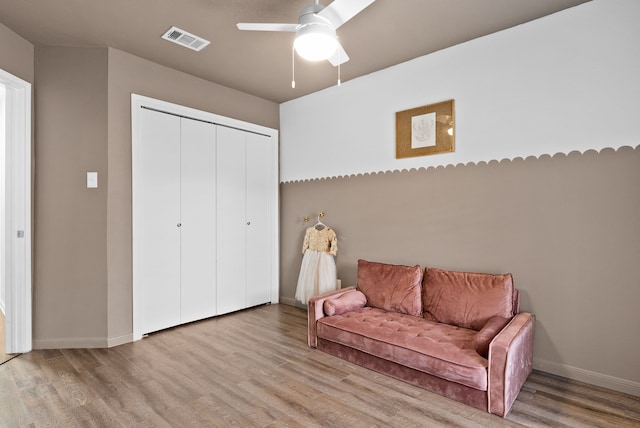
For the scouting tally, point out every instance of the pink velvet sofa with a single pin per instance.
(457, 334)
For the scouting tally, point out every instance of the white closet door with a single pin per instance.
(198, 233)
(259, 184)
(231, 222)
(156, 235)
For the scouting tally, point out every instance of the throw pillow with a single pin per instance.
(344, 303)
(483, 338)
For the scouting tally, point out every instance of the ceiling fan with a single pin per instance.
(316, 38)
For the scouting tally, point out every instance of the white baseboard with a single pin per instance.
(121, 340)
(2, 308)
(587, 376)
(70, 343)
(292, 302)
(85, 342)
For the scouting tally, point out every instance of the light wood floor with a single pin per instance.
(254, 368)
(2, 338)
(4, 357)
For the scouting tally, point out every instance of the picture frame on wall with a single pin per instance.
(425, 130)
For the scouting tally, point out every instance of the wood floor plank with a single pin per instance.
(218, 411)
(570, 411)
(253, 407)
(254, 369)
(12, 410)
(597, 400)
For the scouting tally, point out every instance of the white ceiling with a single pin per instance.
(386, 33)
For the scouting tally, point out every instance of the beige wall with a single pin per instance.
(70, 259)
(16, 54)
(566, 227)
(82, 263)
(130, 74)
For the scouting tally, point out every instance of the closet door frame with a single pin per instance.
(137, 103)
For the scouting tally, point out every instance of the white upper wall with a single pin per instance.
(566, 82)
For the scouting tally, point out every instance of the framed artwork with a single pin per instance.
(425, 130)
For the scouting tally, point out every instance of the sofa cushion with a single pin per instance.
(394, 288)
(347, 302)
(467, 299)
(486, 334)
(438, 349)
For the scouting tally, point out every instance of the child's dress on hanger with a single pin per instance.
(318, 269)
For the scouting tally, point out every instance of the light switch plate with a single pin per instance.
(92, 180)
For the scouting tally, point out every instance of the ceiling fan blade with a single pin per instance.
(266, 27)
(339, 57)
(340, 11)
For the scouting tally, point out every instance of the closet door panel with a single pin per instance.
(198, 232)
(157, 237)
(259, 164)
(231, 223)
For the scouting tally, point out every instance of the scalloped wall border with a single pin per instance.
(471, 163)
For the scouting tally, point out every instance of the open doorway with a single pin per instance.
(15, 212)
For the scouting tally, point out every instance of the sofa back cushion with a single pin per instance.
(466, 299)
(394, 288)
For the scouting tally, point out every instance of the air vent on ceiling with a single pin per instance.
(181, 37)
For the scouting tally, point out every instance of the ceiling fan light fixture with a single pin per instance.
(316, 42)
(316, 38)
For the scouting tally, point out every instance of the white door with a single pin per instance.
(16, 272)
(259, 183)
(198, 220)
(156, 233)
(205, 210)
(231, 219)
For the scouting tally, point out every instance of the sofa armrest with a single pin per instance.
(315, 311)
(510, 363)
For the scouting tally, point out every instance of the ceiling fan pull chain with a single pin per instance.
(293, 68)
(339, 63)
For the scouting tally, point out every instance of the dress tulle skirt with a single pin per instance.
(317, 275)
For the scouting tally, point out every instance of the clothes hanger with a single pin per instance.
(320, 225)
